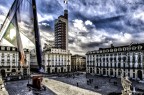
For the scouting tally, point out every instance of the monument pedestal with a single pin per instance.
(126, 84)
(126, 92)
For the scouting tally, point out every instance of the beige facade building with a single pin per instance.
(113, 61)
(53, 60)
(9, 62)
(78, 63)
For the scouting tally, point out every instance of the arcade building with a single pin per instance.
(114, 61)
(56, 60)
(10, 65)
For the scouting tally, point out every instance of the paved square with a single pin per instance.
(20, 88)
(104, 86)
(64, 85)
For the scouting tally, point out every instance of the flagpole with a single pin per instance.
(37, 37)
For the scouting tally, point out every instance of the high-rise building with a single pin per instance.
(61, 31)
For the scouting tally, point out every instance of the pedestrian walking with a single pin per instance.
(87, 82)
(90, 81)
(77, 84)
(73, 77)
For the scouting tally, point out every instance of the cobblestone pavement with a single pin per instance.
(104, 85)
(61, 88)
(20, 88)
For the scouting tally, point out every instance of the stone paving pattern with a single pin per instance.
(61, 88)
(68, 86)
(20, 88)
(104, 86)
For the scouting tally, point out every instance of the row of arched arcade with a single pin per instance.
(57, 69)
(132, 73)
(11, 72)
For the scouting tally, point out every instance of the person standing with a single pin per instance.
(77, 84)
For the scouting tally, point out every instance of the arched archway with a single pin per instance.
(139, 74)
(56, 70)
(64, 70)
(48, 70)
(3, 74)
(90, 70)
(104, 71)
(13, 70)
(97, 70)
(111, 72)
(68, 68)
(119, 72)
(61, 69)
(52, 70)
(24, 71)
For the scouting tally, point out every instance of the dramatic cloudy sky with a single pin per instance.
(92, 23)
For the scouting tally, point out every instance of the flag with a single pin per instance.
(23, 10)
(20, 48)
(8, 18)
(22, 57)
(19, 20)
(10, 34)
(65, 1)
(19, 42)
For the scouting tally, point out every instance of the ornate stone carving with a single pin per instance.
(126, 84)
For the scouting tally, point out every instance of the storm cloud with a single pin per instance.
(93, 24)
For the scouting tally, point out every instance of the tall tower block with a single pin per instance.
(61, 31)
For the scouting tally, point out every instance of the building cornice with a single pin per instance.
(127, 48)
